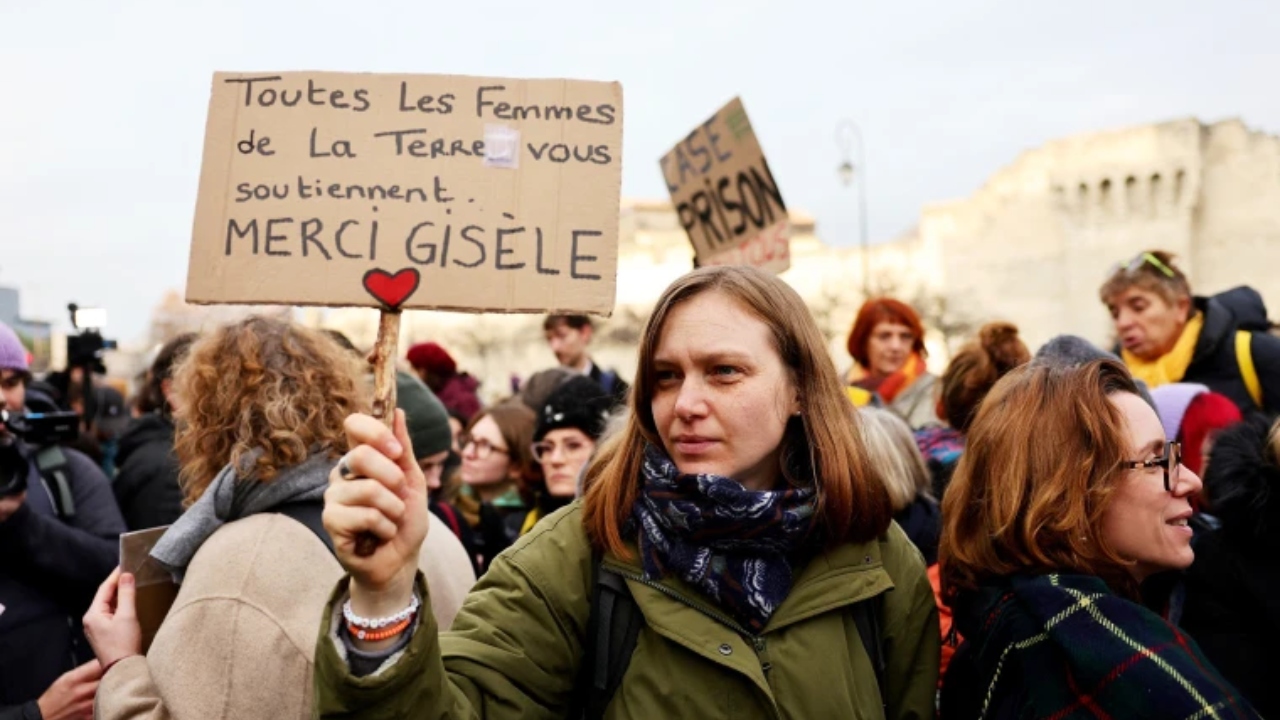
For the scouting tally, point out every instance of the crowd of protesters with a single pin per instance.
(743, 530)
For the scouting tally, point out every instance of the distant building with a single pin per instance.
(1036, 242)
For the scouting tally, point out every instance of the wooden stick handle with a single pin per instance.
(384, 367)
(384, 393)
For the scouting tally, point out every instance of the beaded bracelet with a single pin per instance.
(356, 621)
(376, 635)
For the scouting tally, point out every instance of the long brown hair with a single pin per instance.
(823, 448)
(1042, 460)
(261, 383)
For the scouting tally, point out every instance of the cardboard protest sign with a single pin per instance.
(155, 588)
(725, 195)
(409, 191)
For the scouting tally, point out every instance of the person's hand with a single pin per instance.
(112, 621)
(70, 697)
(10, 504)
(385, 494)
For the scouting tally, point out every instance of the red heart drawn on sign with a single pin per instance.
(391, 290)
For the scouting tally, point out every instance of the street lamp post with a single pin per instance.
(847, 134)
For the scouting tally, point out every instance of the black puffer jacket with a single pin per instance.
(1215, 363)
(147, 486)
(1233, 588)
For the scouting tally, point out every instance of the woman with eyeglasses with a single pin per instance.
(497, 461)
(1067, 500)
(569, 425)
(1167, 335)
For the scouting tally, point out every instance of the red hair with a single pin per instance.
(881, 310)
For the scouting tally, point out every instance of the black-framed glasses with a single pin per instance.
(542, 451)
(482, 446)
(1169, 462)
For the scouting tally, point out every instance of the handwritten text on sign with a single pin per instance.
(725, 195)
(419, 191)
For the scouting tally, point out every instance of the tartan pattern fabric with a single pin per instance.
(1080, 651)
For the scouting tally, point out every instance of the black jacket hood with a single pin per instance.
(1246, 306)
(152, 427)
(1243, 483)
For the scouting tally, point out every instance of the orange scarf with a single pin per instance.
(889, 386)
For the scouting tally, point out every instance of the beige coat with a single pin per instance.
(240, 639)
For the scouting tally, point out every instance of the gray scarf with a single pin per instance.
(231, 497)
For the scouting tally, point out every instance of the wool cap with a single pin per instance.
(433, 358)
(578, 402)
(13, 356)
(424, 415)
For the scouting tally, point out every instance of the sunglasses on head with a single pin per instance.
(1145, 258)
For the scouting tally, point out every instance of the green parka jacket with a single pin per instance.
(514, 649)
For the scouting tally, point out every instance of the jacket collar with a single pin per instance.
(1219, 325)
(834, 578)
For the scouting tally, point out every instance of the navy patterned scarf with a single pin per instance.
(735, 545)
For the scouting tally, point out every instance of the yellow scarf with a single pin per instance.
(1172, 366)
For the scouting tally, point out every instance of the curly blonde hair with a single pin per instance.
(264, 384)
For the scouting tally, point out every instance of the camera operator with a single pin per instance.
(59, 530)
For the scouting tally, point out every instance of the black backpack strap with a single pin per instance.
(624, 621)
(866, 616)
(309, 512)
(613, 629)
(52, 463)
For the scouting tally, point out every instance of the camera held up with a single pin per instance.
(35, 428)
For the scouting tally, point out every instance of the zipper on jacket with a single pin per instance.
(762, 654)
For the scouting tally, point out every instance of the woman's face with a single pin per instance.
(563, 453)
(722, 396)
(888, 347)
(432, 467)
(1148, 326)
(486, 459)
(1144, 523)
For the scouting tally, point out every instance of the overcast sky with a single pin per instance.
(102, 104)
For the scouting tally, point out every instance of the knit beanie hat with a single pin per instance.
(1073, 351)
(1208, 414)
(578, 402)
(433, 358)
(424, 415)
(1172, 401)
(13, 356)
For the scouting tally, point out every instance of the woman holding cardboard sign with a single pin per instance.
(734, 536)
(262, 402)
